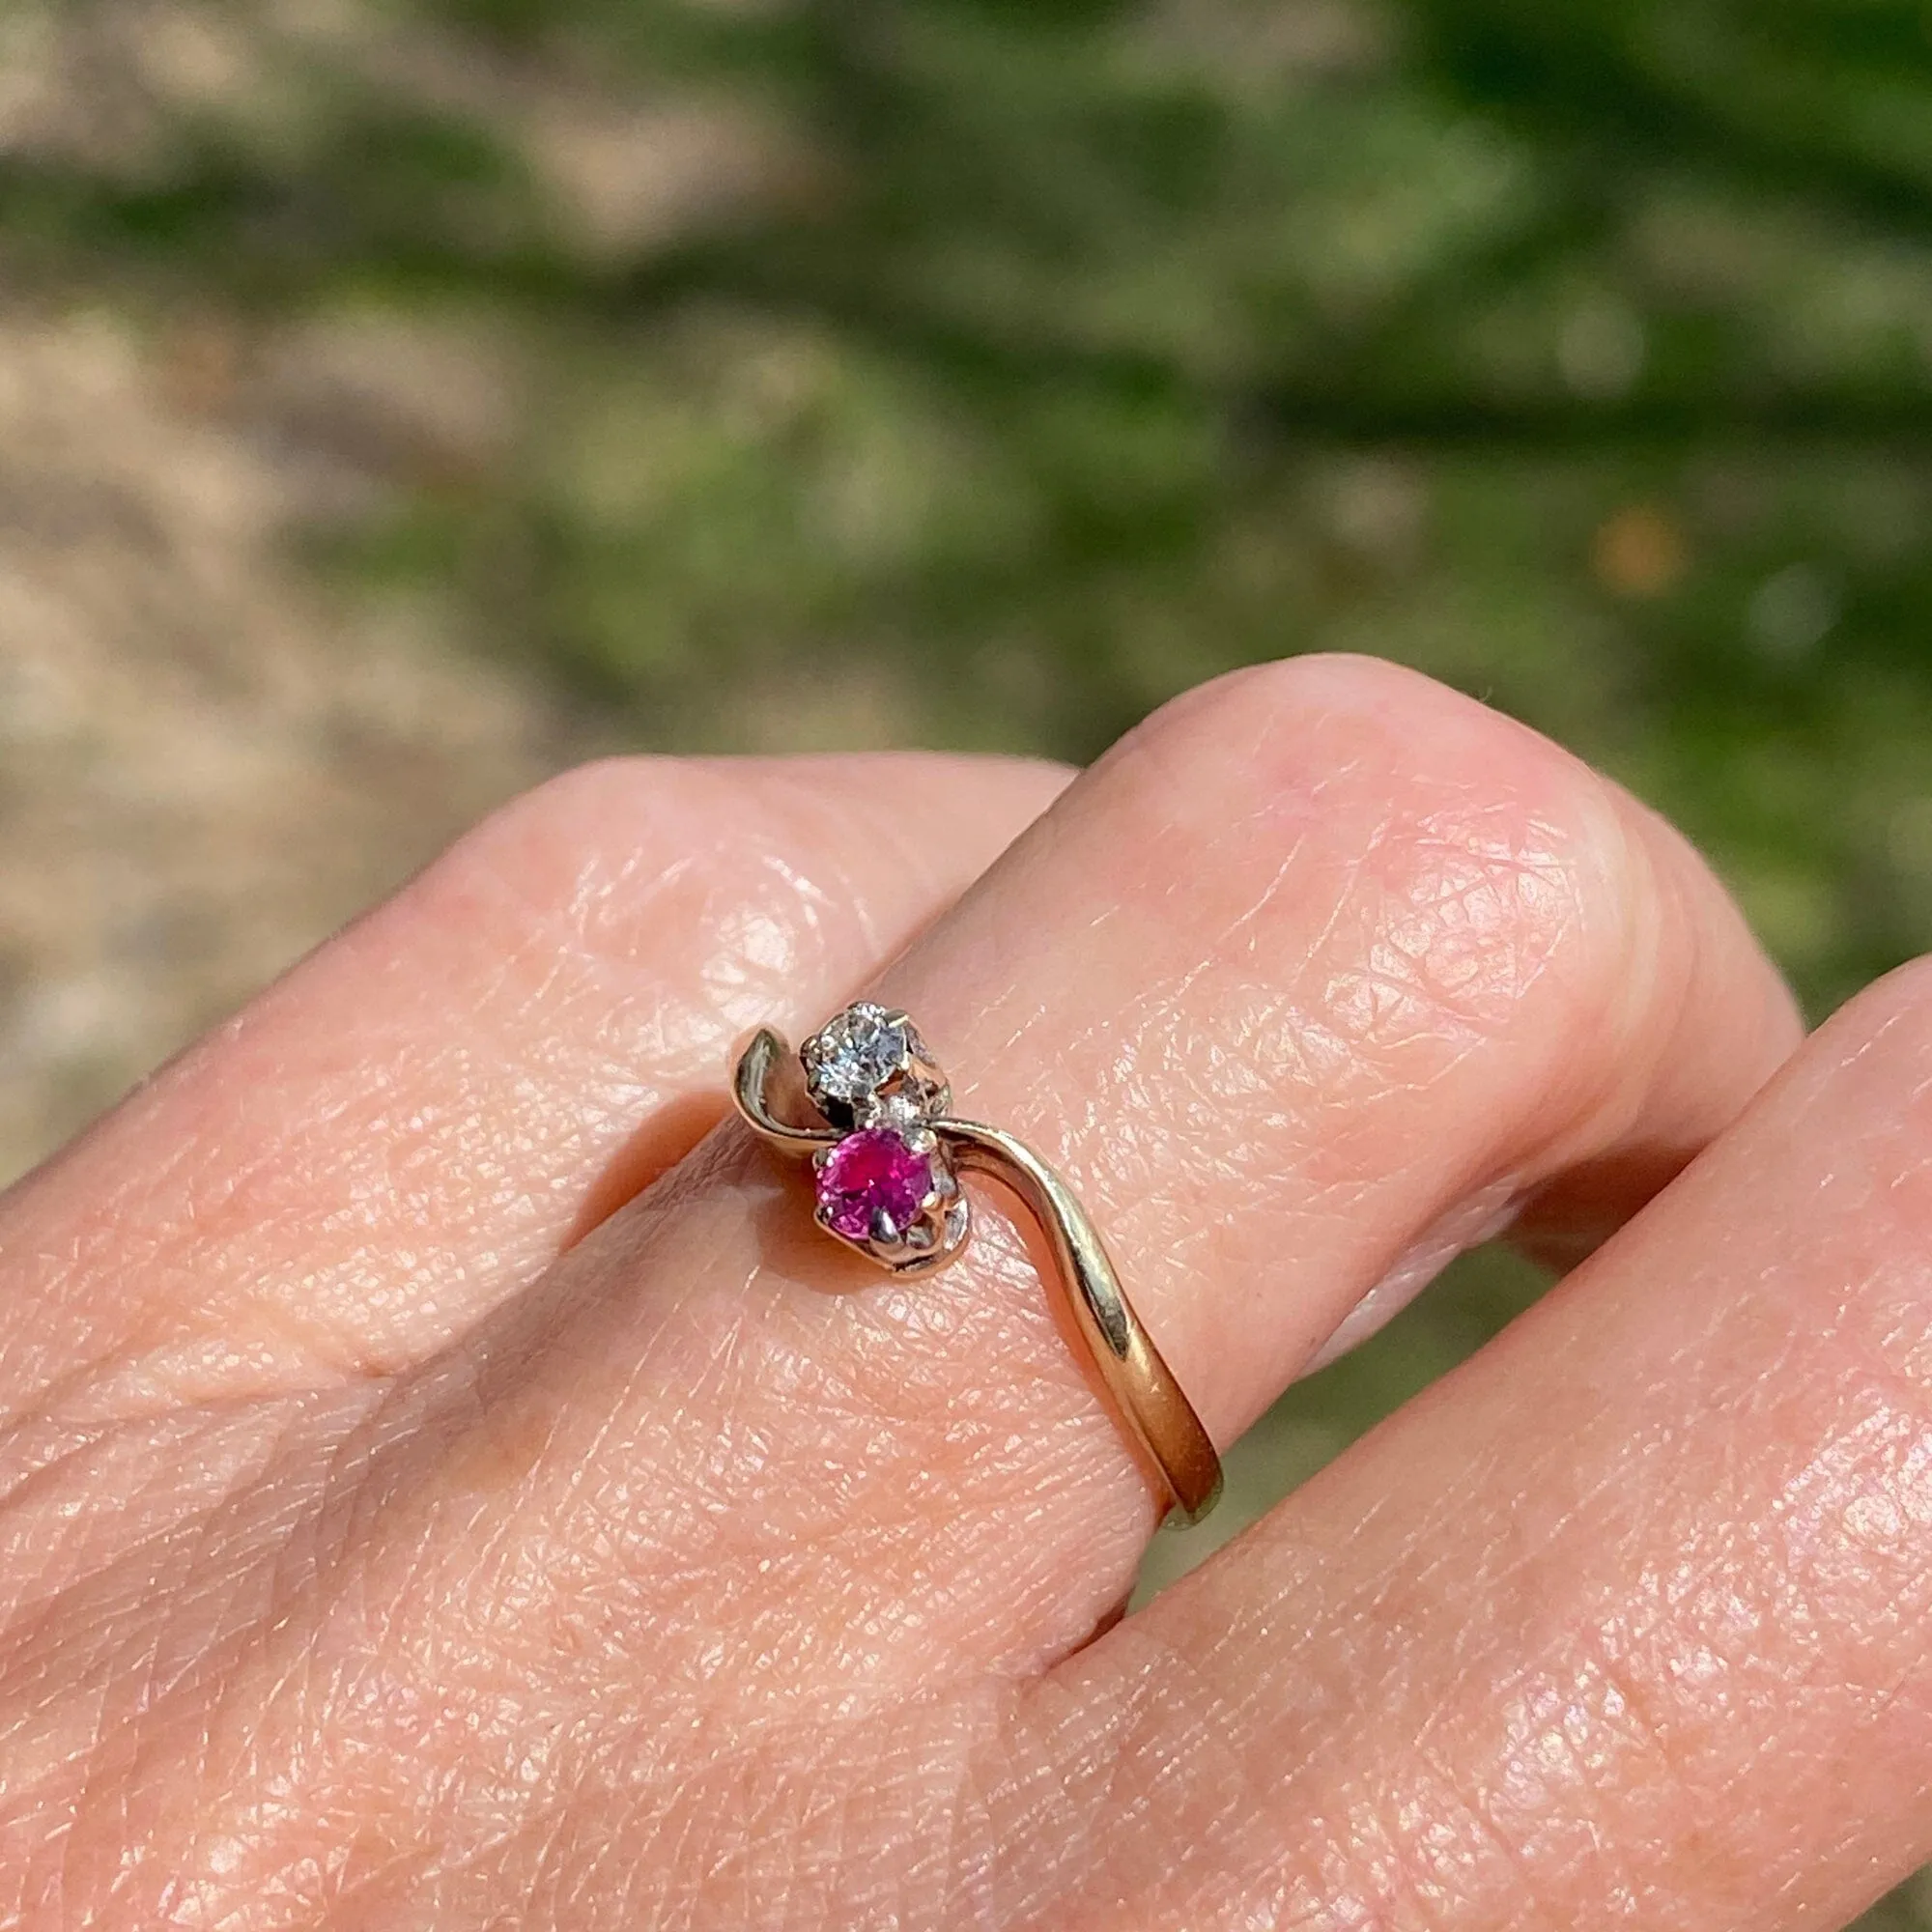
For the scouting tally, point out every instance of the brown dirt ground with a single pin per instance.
(206, 762)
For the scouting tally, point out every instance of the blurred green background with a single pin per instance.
(802, 373)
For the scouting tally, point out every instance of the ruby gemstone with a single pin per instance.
(870, 1173)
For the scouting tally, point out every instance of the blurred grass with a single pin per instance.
(981, 374)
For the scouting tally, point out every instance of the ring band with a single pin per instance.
(887, 1154)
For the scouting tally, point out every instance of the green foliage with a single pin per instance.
(1071, 353)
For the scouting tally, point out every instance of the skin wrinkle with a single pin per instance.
(1435, 888)
(1893, 1678)
(1223, 1881)
(949, 1496)
(1580, 1735)
(1484, 1217)
(1216, 1728)
(214, 1195)
(189, 1442)
(1444, 1842)
(60, 1634)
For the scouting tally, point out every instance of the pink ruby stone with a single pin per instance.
(873, 1172)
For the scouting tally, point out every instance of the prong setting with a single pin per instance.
(896, 1146)
(867, 1066)
(887, 1187)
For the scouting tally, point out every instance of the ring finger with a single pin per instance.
(1317, 976)
(1321, 976)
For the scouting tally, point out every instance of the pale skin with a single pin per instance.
(448, 1483)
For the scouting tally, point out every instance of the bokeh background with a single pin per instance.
(401, 398)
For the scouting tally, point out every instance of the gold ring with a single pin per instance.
(886, 1156)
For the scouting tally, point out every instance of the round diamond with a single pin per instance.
(869, 1173)
(857, 1053)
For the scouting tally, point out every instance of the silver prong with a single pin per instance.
(923, 1140)
(946, 1187)
(920, 1235)
(885, 1230)
(822, 1214)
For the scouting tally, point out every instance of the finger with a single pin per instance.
(416, 1120)
(1323, 966)
(1325, 961)
(1628, 1621)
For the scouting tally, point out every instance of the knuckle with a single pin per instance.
(577, 804)
(594, 852)
(556, 864)
(1859, 1104)
(1456, 866)
(1893, 1015)
(1859, 1101)
(1388, 713)
(556, 845)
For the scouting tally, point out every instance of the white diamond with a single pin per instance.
(856, 1054)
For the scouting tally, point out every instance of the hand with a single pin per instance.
(438, 1492)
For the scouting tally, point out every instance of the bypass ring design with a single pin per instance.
(886, 1156)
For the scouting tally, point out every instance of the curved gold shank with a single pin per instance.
(1150, 1403)
(762, 1054)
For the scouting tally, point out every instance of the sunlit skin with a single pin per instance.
(449, 1483)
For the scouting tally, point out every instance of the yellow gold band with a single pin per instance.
(1153, 1411)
